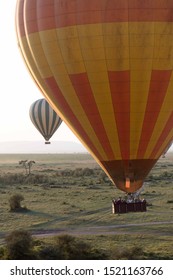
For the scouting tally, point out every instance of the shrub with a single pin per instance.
(37, 179)
(49, 252)
(15, 202)
(19, 245)
(88, 172)
(70, 248)
(134, 253)
(2, 253)
(10, 179)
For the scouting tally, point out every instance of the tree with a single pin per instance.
(30, 163)
(27, 164)
(24, 164)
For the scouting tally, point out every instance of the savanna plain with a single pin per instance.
(69, 195)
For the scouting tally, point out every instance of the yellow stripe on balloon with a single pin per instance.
(162, 148)
(92, 47)
(141, 40)
(165, 111)
(116, 42)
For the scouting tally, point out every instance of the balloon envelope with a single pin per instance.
(106, 68)
(44, 118)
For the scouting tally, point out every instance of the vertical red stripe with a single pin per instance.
(120, 91)
(158, 88)
(69, 115)
(163, 136)
(83, 90)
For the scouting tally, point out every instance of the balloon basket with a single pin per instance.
(124, 206)
(47, 142)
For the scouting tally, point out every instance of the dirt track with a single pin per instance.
(98, 230)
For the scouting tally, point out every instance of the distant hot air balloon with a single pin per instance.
(44, 118)
(106, 67)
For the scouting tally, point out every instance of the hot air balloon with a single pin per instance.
(106, 67)
(44, 118)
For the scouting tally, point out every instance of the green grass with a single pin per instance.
(60, 195)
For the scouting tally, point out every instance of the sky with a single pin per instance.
(18, 91)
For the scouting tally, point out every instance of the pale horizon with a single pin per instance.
(32, 147)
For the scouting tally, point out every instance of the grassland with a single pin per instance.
(70, 194)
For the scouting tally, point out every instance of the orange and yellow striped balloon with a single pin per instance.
(106, 67)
